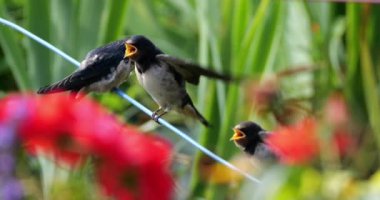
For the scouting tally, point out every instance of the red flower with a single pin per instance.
(296, 144)
(61, 126)
(336, 111)
(344, 142)
(130, 165)
(140, 172)
(49, 127)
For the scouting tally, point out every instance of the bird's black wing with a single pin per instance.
(191, 72)
(96, 66)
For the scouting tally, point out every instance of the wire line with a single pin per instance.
(132, 101)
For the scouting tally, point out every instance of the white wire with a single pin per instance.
(133, 101)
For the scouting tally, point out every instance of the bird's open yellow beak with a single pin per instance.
(130, 50)
(238, 134)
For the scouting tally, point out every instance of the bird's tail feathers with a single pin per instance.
(190, 110)
(59, 86)
(50, 89)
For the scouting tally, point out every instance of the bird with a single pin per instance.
(164, 77)
(102, 69)
(249, 136)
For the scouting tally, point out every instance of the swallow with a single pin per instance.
(103, 69)
(248, 136)
(164, 77)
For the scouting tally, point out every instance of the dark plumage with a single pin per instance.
(248, 136)
(164, 77)
(102, 69)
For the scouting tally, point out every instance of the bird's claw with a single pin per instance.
(155, 117)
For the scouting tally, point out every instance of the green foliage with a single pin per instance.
(250, 39)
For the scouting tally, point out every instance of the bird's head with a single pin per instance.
(138, 47)
(247, 134)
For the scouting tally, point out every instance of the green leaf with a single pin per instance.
(64, 26)
(370, 89)
(114, 20)
(14, 54)
(38, 57)
(89, 18)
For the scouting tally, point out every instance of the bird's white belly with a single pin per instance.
(162, 87)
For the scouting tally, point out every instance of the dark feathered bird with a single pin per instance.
(164, 77)
(248, 136)
(102, 69)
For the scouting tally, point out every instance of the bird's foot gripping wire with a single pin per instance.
(157, 114)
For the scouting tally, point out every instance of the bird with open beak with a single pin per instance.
(164, 77)
(248, 136)
(102, 69)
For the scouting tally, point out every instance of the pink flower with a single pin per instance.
(336, 111)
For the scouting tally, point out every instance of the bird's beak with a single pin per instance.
(238, 134)
(130, 50)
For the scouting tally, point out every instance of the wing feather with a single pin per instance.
(191, 72)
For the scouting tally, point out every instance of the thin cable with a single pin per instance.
(39, 40)
(186, 137)
(132, 101)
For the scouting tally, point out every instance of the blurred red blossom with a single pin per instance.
(130, 165)
(344, 142)
(336, 111)
(142, 172)
(297, 144)
(337, 115)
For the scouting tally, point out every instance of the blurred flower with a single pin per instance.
(266, 98)
(297, 144)
(218, 173)
(61, 126)
(344, 142)
(129, 164)
(337, 116)
(336, 111)
(100, 135)
(373, 189)
(10, 188)
(49, 126)
(140, 172)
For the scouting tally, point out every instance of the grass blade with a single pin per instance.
(38, 57)
(64, 27)
(114, 20)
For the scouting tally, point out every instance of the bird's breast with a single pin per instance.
(161, 85)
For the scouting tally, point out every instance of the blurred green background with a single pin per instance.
(338, 44)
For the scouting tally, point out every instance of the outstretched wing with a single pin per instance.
(191, 72)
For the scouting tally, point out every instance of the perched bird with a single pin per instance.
(102, 69)
(164, 77)
(248, 136)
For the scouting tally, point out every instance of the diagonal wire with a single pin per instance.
(133, 101)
